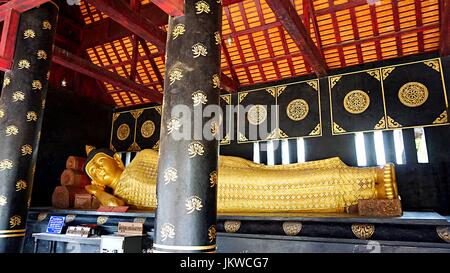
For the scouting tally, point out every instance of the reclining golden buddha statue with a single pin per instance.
(244, 186)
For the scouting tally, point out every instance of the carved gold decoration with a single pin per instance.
(46, 25)
(292, 228)
(226, 98)
(6, 82)
(212, 232)
(316, 130)
(170, 175)
(199, 49)
(21, 185)
(225, 140)
(31, 116)
(389, 184)
(178, 30)
(217, 38)
(434, 64)
(18, 96)
(199, 97)
(297, 110)
(167, 232)
(257, 114)
(24, 64)
(356, 102)
(42, 55)
(276, 134)
(2, 113)
(216, 81)
(242, 96)
(241, 137)
(156, 147)
(134, 147)
(363, 231)
(276, 91)
(213, 178)
(193, 203)
(387, 71)
(413, 94)
(375, 74)
(202, 7)
(26, 150)
(334, 80)
(70, 218)
(29, 34)
(381, 124)
(392, 123)
(214, 128)
(443, 118)
(337, 128)
(443, 233)
(42, 216)
(232, 226)
(3, 201)
(173, 124)
(175, 74)
(15, 221)
(314, 84)
(123, 132)
(137, 113)
(195, 148)
(43, 104)
(148, 129)
(6, 164)
(101, 220)
(36, 85)
(12, 130)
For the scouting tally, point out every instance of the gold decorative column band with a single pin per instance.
(167, 247)
(12, 233)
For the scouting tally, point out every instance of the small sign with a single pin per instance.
(56, 224)
(126, 228)
(78, 231)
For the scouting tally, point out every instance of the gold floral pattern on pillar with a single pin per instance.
(167, 232)
(15, 221)
(123, 132)
(36, 85)
(214, 128)
(174, 124)
(413, 94)
(170, 175)
(196, 149)
(6, 81)
(6, 164)
(18, 96)
(257, 114)
(46, 25)
(2, 113)
(24, 64)
(175, 74)
(212, 233)
(31, 116)
(363, 231)
(3, 200)
(297, 110)
(178, 30)
(356, 102)
(199, 49)
(202, 7)
(217, 38)
(216, 81)
(21, 185)
(26, 150)
(199, 97)
(42, 55)
(11, 130)
(213, 178)
(148, 129)
(29, 34)
(193, 203)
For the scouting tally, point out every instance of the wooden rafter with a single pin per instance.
(291, 21)
(8, 39)
(444, 44)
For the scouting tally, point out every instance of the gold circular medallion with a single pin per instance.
(232, 226)
(297, 109)
(123, 132)
(413, 94)
(356, 102)
(292, 228)
(148, 129)
(363, 231)
(257, 114)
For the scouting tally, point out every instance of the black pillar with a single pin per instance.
(187, 174)
(21, 108)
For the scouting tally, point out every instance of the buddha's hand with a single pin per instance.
(94, 190)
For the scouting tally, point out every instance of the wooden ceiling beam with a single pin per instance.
(288, 16)
(83, 66)
(444, 44)
(176, 7)
(19, 5)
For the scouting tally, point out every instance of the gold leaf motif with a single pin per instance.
(15, 221)
(216, 81)
(41, 55)
(18, 96)
(297, 110)
(167, 232)
(2, 113)
(213, 178)
(178, 30)
(381, 124)
(29, 34)
(242, 137)
(26, 150)
(443, 233)
(316, 130)
(356, 102)
(174, 124)
(214, 128)
(123, 132)
(156, 147)
(193, 203)
(434, 64)
(217, 38)
(257, 114)
(170, 175)
(24, 64)
(137, 113)
(276, 91)
(31, 116)
(232, 226)
(276, 134)
(386, 72)
(225, 140)
(413, 94)
(175, 74)
(337, 128)
(158, 109)
(226, 98)
(101, 220)
(392, 123)
(3, 201)
(314, 84)
(42, 216)
(21, 185)
(46, 25)
(6, 165)
(148, 129)
(36, 85)
(212, 232)
(334, 80)
(363, 231)
(443, 118)
(12, 130)
(134, 147)
(6, 81)
(242, 96)
(202, 7)
(115, 116)
(195, 149)
(292, 228)
(199, 97)
(375, 74)
(199, 49)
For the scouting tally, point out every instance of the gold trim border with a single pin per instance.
(12, 231)
(13, 235)
(184, 247)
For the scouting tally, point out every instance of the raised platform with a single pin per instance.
(285, 232)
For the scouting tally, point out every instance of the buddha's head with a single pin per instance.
(103, 166)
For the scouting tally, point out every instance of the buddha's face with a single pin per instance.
(104, 169)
